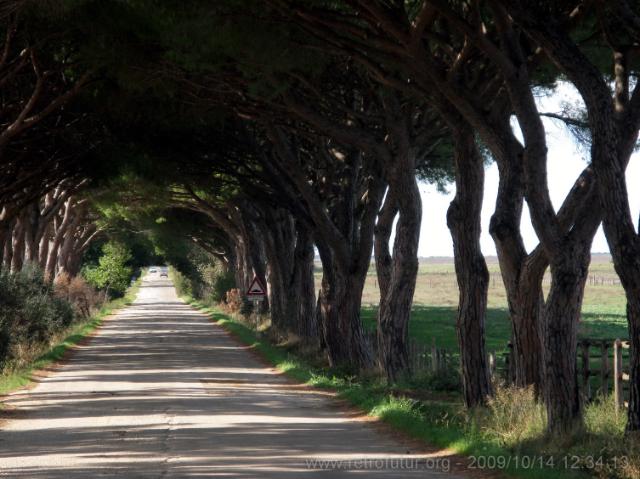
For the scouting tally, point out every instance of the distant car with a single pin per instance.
(165, 274)
(153, 270)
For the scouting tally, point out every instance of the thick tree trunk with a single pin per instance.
(559, 333)
(243, 268)
(525, 322)
(278, 234)
(58, 237)
(303, 279)
(5, 237)
(633, 317)
(524, 292)
(342, 217)
(611, 154)
(7, 254)
(52, 260)
(463, 219)
(65, 251)
(383, 259)
(17, 245)
(395, 306)
(43, 248)
(32, 216)
(523, 274)
(340, 301)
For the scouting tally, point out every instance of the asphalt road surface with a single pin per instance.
(161, 392)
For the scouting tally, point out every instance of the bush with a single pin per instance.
(84, 298)
(183, 285)
(112, 273)
(223, 282)
(513, 416)
(201, 276)
(444, 379)
(234, 301)
(30, 313)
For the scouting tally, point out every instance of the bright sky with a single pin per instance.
(565, 162)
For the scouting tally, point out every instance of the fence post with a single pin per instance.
(413, 355)
(604, 368)
(434, 356)
(586, 370)
(617, 374)
(492, 364)
(511, 367)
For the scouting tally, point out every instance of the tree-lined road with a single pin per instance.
(161, 392)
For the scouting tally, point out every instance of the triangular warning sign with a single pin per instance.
(256, 288)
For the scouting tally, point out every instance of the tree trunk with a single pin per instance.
(559, 333)
(277, 231)
(43, 249)
(340, 301)
(243, 267)
(17, 245)
(65, 251)
(463, 219)
(633, 317)
(383, 259)
(58, 237)
(6, 222)
(303, 279)
(31, 222)
(395, 306)
(525, 323)
(4, 234)
(7, 254)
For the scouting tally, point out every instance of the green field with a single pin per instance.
(436, 299)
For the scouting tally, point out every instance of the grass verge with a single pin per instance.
(434, 421)
(72, 336)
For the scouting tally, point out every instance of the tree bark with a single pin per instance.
(277, 231)
(65, 251)
(60, 231)
(45, 244)
(303, 279)
(340, 302)
(559, 333)
(31, 217)
(17, 245)
(463, 219)
(6, 228)
(383, 259)
(525, 322)
(7, 254)
(343, 234)
(395, 305)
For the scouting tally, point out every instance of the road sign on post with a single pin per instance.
(255, 294)
(256, 289)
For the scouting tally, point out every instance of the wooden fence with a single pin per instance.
(602, 365)
(602, 368)
(422, 357)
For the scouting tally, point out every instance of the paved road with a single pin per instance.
(161, 392)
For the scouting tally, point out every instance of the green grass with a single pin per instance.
(436, 302)
(440, 422)
(438, 323)
(77, 332)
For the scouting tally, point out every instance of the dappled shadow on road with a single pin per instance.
(161, 392)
